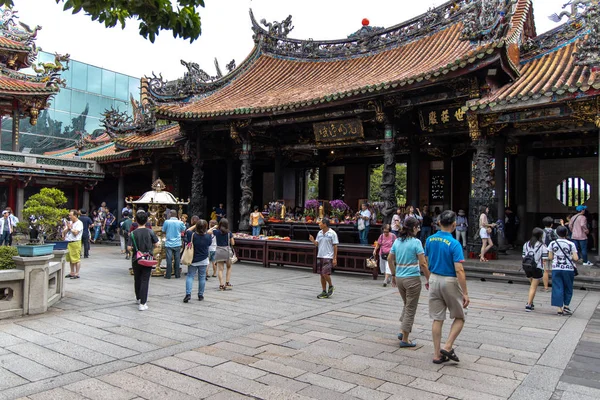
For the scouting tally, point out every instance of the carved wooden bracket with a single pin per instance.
(588, 110)
(473, 121)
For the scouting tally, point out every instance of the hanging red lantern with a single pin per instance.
(365, 22)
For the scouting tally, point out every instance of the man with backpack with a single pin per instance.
(548, 237)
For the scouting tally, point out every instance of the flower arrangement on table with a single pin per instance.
(378, 207)
(339, 209)
(274, 211)
(311, 209)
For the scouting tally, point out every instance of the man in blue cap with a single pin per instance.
(579, 227)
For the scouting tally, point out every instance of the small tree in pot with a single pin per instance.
(45, 215)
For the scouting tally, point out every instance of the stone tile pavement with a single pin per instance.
(271, 338)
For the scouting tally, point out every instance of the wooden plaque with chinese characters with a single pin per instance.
(338, 131)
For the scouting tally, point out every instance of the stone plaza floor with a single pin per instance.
(271, 338)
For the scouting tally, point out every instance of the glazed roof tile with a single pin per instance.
(102, 153)
(543, 77)
(164, 136)
(6, 43)
(267, 82)
(10, 85)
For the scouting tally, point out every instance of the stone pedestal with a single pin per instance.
(60, 256)
(35, 283)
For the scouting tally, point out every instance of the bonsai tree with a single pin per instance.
(43, 213)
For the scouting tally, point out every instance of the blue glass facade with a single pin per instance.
(77, 108)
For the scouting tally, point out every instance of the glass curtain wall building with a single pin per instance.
(76, 110)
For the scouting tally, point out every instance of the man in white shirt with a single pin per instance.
(6, 228)
(73, 232)
(327, 242)
(13, 223)
(365, 216)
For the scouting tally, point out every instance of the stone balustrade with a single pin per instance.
(34, 285)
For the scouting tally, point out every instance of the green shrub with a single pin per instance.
(6, 255)
(45, 208)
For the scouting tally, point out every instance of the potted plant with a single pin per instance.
(338, 209)
(45, 221)
(311, 208)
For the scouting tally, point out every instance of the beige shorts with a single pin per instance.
(445, 294)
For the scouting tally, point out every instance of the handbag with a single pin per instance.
(232, 257)
(261, 220)
(188, 252)
(143, 259)
(371, 262)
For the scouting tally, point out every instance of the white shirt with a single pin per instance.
(8, 222)
(563, 259)
(76, 226)
(366, 213)
(213, 244)
(540, 251)
(326, 241)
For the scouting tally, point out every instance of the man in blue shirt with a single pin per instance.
(447, 286)
(173, 228)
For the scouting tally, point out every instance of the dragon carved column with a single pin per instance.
(481, 175)
(388, 181)
(197, 199)
(246, 185)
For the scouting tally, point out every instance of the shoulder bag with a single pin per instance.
(568, 258)
(188, 252)
(145, 259)
(232, 258)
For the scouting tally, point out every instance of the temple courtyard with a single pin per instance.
(271, 338)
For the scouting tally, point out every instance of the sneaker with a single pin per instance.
(200, 297)
(142, 307)
(587, 264)
(187, 298)
(323, 295)
(528, 307)
(567, 311)
(330, 291)
(385, 283)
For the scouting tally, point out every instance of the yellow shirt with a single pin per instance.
(213, 215)
(254, 218)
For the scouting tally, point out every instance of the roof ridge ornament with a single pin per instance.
(366, 40)
(588, 52)
(119, 123)
(487, 19)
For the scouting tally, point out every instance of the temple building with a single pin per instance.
(481, 109)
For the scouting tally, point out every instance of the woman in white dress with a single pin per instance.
(485, 231)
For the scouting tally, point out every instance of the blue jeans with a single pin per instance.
(581, 249)
(189, 281)
(173, 255)
(425, 233)
(97, 231)
(363, 235)
(256, 230)
(5, 239)
(562, 287)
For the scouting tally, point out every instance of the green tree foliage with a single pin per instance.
(375, 183)
(46, 208)
(154, 15)
(6, 255)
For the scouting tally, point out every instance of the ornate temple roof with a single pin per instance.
(289, 74)
(17, 40)
(102, 153)
(13, 82)
(162, 137)
(555, 66)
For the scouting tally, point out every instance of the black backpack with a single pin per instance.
(529, 265)
(550, 237)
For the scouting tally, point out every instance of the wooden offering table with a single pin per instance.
(352, 258)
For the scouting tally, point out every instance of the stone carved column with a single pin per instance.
(388, 181)
(197, 199)
(246, 186)
(481, 187)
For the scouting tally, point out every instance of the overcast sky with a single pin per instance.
(226, 30)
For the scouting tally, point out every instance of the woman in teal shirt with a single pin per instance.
(406, 261)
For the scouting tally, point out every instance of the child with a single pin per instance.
(548, 237)
(212, 250)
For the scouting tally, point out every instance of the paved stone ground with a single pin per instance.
(271, 338)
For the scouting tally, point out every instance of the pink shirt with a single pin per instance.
(578, 227)
(386, 242)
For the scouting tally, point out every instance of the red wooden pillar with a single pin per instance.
(11, 194)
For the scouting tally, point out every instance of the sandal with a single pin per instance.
(222, 288)
(450, 354)
(404, 344)
(214, 275)
(228, 285)
(440, 360)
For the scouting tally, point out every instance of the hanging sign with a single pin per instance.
(441, 118)
(338, 131)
